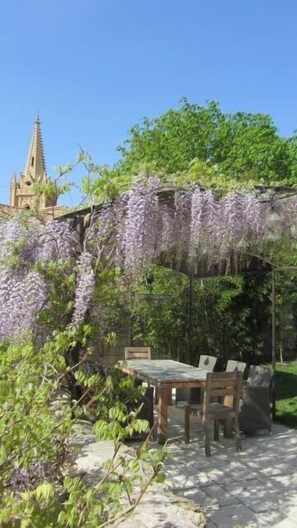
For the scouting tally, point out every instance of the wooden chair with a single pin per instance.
(137, 352)
(207, 363)
(233, 365)
(140, 353)
(194, 395)
(218, 385)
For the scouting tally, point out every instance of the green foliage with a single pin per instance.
(229, 317)
(102, 183)
(55, 187)
(36, 485)
(286, 399)
(59, 274)
(240, 147)
(159, 307)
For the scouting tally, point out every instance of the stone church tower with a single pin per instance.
(23, 194)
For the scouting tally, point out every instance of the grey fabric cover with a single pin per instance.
(255, 409)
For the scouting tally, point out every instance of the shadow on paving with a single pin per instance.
(254, 488)
(159, 508)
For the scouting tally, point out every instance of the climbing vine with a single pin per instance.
(130, 233)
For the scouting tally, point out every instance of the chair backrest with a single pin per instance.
(137, 352)
(235, 365)
(259, 375)
(207, 363)
(223, 385)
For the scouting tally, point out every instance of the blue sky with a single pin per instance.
(93, 68)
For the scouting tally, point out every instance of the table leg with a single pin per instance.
(162, 415)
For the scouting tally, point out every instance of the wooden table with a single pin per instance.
(164, 374)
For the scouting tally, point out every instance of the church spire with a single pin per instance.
(35, 170)
(23, 192)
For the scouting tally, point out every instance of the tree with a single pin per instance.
(241, 146)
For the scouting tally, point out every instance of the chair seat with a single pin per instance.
(215, 409)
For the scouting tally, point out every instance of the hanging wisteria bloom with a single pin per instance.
(85, 282)
(140, 225)
(23, 294)
(196, 227)
(167, 232)
(99, 237)
(182, 223)
(57, 241)
(24, 291)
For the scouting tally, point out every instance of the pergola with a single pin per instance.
(238, 262)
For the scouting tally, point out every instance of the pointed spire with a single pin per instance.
(13, 179)
(35, 170)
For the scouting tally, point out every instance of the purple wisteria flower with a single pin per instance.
(85, 283)
(23, 295)
(141, 220)
(182, 223)
(132, 232)
(57, 241)
(24, 479)
(196, 227)
(24, 291)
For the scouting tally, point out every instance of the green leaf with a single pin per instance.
(45, 490)
(160, 478)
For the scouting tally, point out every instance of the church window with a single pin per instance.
(32, 161)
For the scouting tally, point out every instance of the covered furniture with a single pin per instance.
(218, 385)
(185, 395)
(255, 408)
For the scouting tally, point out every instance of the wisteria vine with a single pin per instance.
(131, 232)
(27, 246)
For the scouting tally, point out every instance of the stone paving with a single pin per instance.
(256, 488)
(159, 507)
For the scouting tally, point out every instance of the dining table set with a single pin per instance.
(164, 375)
(241, 407)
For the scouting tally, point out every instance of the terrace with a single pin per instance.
(254, 488)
